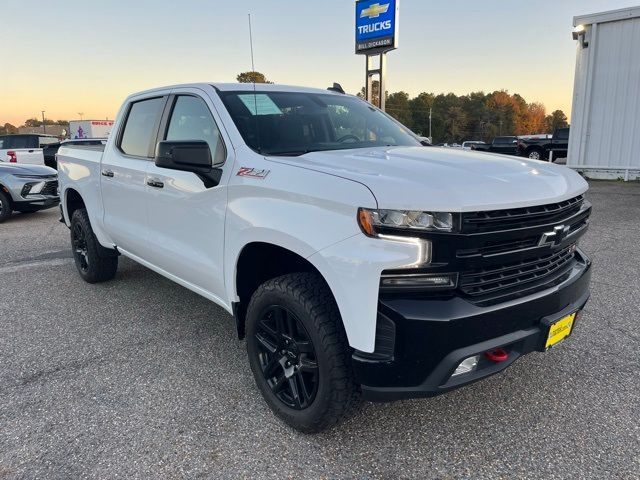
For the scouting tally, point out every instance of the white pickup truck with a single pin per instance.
(356, 262)
(24, 148)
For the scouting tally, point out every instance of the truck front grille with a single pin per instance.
(524, 275)
(512, 218)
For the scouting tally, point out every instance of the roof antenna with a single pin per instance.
(253, 68)
(255, 97)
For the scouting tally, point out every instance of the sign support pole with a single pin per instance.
(371, 72)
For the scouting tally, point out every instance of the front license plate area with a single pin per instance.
(559, 330)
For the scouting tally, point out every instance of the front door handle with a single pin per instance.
(107, 173)
(154, 182)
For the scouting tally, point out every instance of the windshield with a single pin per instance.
(292, 123)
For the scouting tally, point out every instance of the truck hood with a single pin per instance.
(442, 179)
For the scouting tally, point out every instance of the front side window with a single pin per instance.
(141, 127)
(294, 123)
(192, 120)
(562, 134)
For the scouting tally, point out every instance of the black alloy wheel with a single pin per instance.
(79, 244)
(94, 262)
(299, 353)
(287, 357)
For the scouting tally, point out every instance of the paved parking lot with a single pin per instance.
(139, 377)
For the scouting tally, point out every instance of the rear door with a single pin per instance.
(186, 219)
(505, 145)
(123, 172)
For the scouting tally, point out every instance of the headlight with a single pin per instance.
(29, 188)
(371, 221)
(36, 187)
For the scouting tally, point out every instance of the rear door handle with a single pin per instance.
(107, 173)
(154, 182)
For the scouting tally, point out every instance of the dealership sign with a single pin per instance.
(376, 25)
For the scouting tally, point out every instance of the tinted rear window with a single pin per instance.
(24, 141)
(141, 127)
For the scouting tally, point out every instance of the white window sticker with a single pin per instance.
(260, 104)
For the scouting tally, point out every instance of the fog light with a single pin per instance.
(467, 365)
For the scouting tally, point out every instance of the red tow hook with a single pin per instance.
(497, 355)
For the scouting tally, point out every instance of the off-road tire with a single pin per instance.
(308, 297)
(96, 263)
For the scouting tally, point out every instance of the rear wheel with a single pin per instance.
(94, 262)
(298, 352)
(5, 206)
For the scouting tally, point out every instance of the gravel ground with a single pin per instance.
(140, 378)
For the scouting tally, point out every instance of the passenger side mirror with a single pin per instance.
(188, 156)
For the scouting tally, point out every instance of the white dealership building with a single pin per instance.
(605, 118)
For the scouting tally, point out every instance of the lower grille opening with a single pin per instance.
(517, 278)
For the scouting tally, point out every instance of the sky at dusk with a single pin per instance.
(72, 56)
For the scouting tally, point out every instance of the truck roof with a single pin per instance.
(259, 87)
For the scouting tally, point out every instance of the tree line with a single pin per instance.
(8, 129)
(476, 116)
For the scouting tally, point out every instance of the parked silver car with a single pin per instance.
(27, 188)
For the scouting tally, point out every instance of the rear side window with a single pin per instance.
(141, 127)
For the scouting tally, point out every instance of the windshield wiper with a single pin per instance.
(291, 153)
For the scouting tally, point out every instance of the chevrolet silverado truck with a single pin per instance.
(545, 148)
(356, 263)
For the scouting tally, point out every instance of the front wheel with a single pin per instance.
(298, 352)
(94, 262)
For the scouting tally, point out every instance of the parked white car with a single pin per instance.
(356, 262)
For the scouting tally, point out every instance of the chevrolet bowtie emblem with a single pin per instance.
(374, 11)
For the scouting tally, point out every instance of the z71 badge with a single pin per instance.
(252, 172)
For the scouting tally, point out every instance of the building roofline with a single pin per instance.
(608, 16)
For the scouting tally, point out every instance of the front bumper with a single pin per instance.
(432, 337)
(40, 202)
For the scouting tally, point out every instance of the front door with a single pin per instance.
(186, 219)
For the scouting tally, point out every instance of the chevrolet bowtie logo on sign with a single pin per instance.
(376, 26)
(374, 10)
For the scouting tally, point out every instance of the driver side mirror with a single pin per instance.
(188, 156)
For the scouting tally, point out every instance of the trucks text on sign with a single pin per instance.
(376, 25)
